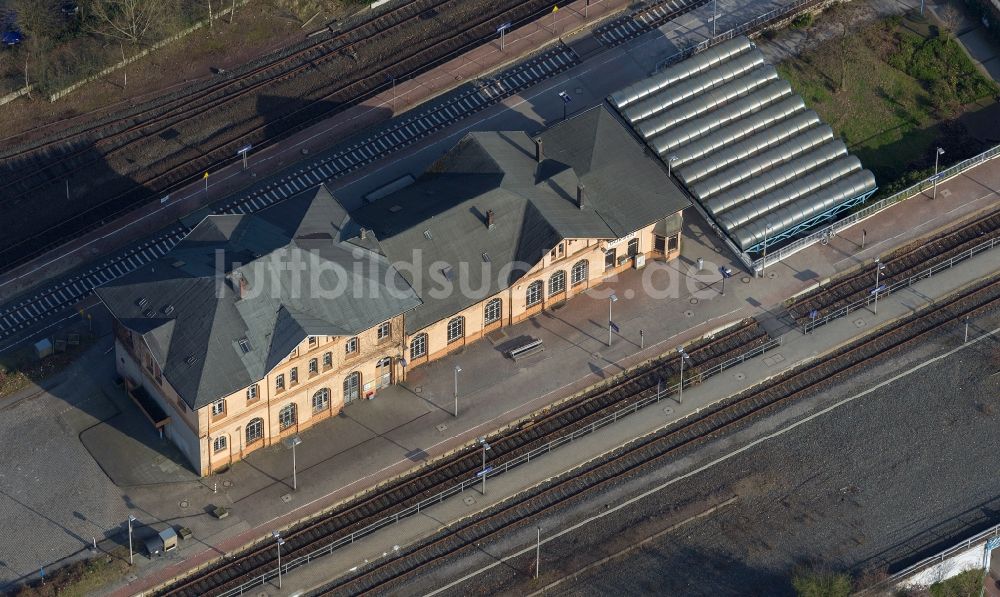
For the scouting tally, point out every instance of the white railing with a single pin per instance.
(934, 560)
(650, 396)
(811, 325)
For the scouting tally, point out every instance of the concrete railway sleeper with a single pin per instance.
(899, 265)
(437, 476)
(646, 453)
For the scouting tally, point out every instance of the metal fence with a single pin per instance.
(811, 325)
(648, 397)
(826, 233)
(753, 25)
(898, 577)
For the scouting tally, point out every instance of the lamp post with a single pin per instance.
(680, 388)
(611, 324)
(280, 542)
(763, 259)
(670, 163)
(486, 446)
(458, 370)
(566, 99)
(291, 442)
(879, 266)
(937, 154)
(131, 519)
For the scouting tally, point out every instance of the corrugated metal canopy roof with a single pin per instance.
(743, 144)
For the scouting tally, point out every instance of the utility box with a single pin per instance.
(43, 348)
(169, 539)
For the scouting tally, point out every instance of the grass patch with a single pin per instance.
(814, 583)
(21, 368)
(966, 584)
(891, 92)
(80, 579)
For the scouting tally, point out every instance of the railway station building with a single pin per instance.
(255, 327)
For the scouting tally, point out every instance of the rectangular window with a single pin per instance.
(218, 408)
(293, 376)
(279, 382)
(673, 242)
(609, 259)
(252, 393)
(659, 244)
(313, 341)
(327, 360)
(384, 330)
(295, 353)
(351, 346)
(219, 443)
(418, 346)
(313, 366)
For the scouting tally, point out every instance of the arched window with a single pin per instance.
(533, 295)
(580, 273)
(286, 416)
(321, 400)
(352, 387)
(418, 346)
(557, 282)
(219, 444)
(493, 311)
(255, 430)
(456, 329)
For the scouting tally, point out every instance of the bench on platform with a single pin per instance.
(530, 347)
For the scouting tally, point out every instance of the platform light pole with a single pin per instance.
(486, 446)
(280, 542)
(458, 370)
(937, 154)
(763, 259)
(879, 266)
(291, 442)
(670, 163)
(611, 324)
(680, 388)
(131, 519)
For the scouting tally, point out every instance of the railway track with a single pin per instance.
(153, 150)
(439, 475)
(901, 264)
(386, 576)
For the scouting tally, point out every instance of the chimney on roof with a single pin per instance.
(539, 155)
(244, 286)
(363, 235)
(580, 196)
(489, 218)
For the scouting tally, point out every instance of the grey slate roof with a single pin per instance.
(195, 317)
(441, 217)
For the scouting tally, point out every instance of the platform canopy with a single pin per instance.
(761, 166)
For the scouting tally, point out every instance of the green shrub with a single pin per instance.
(803, 21)
(811, 583)
(966, 584)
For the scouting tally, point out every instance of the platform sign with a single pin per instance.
(242, 152)
(813, 314)
(566, 98)
(503, 27)
(614, 327)
(878, 289)
(485, 471)
(725, 271)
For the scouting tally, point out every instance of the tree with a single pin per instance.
(127, 20)
(951, 19)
